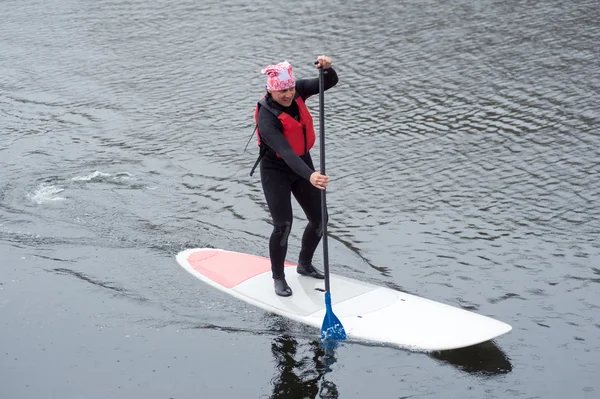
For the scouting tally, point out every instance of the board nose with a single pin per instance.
(201, 255)
(227, 268)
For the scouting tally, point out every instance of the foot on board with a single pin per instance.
(309, 270)
(282, 288)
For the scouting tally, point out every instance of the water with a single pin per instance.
(464, 157)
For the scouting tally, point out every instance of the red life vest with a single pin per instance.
(300, 134)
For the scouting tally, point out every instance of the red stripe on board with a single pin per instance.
(229, 268)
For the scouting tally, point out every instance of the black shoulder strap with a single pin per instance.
(252, 135)
(263, 147)
(261, 154)
(263, 103)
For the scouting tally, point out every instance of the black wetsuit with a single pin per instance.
(288, 175)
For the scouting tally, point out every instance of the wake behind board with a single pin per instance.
(367, 311)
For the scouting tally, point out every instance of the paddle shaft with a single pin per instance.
(323, 192)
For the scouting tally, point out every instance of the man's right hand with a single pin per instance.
(319, 181)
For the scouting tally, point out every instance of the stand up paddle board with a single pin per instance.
(368, 312)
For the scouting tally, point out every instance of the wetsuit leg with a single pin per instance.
(309, 198)
(276, 185)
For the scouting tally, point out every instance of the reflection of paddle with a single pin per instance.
(332, 328)
(302, 369)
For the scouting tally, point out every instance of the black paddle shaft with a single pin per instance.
(323, 192)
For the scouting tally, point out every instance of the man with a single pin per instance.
(286, 134)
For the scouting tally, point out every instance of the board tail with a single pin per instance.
(332, 326)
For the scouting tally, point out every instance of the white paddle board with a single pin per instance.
(368, 312)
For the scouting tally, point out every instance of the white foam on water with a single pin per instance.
(46, 193)
(123, 175)
(90, 177)
(97, 175)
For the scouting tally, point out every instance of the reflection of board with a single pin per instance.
(368, 312)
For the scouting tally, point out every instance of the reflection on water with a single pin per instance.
(302, 369)
(484, 359)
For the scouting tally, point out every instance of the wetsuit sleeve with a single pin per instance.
(271, 132)
(308, 87)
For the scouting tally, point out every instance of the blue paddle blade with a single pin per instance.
(332, 326)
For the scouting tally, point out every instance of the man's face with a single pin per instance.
(284, 97)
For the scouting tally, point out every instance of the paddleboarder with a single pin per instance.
(286, 134)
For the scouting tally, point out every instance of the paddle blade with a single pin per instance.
(332, 326)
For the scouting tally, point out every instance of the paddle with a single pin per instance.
(332, 328)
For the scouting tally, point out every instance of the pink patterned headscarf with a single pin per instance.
(279, 76)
